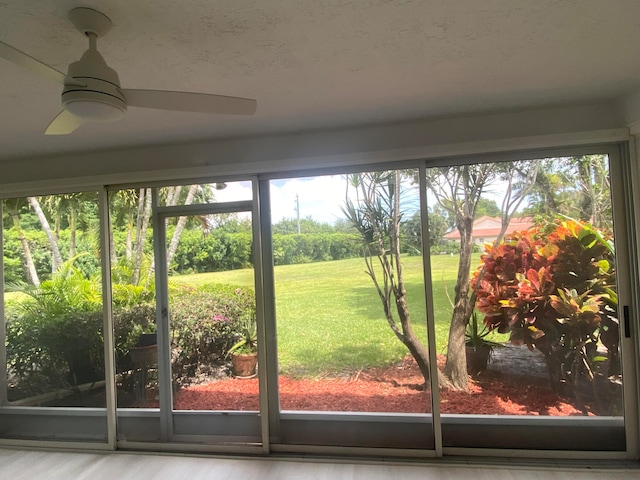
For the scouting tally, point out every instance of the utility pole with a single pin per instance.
(298, 212)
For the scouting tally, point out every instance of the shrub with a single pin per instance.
(553, 288)
(205, 323)
(55, 334)
(129, 323)
(54, 352)
(447, 247)
(216, 251)
(315, 247)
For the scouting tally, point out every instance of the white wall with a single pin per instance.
(559, 126)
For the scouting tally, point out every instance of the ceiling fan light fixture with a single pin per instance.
(95, 111)
(91, 89)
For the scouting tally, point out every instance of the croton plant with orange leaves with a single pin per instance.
(553, 288)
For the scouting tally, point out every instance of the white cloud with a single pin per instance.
(319, 197)
(234, 192)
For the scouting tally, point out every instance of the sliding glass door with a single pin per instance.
(53, 385)
(183, 373)
(353, 356)
(523, 330)
(529, 297)
(429, 308)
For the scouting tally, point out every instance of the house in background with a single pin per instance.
(486, 229)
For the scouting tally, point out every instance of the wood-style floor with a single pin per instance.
(19, 464)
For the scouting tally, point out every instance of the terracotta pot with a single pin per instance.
(243, 365)
(477, 358)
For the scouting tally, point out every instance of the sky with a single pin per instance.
(319, 197)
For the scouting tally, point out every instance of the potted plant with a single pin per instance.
(478, 348)
(244, 353)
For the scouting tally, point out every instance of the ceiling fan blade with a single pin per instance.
(190, 102)
(65, 123)
(34, 65)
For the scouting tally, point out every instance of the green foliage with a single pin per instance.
(411, 232)
(326, 323)
(122, 273)
(446, 247)
(126, 295)
(87, 257)
(320, 247)
(129, 322)
(248, 342)
(68, 291)
(55, 331)
(487, 207)
(477, 336)
(221, 250)
(55, 337)
(56, 352)
(54, 334)
(289, 226)
(15, 269)
(216, 251)
(73, 217)
(553, 288)
(577, 187)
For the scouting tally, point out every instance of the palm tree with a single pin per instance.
(182, 221)
(13, 207)
(53, 241)
(142, 225)
(199, 193)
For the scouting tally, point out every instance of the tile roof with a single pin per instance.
(516, 223)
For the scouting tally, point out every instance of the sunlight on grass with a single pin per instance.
(329, 316)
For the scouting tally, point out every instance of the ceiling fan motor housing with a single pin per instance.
(100, 99)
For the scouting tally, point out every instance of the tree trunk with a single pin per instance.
(182, 221)
(177, 233)
(72, 227)
(138, 237)
(55, 251)
(32, 273)
(456, 365)
(140, 241)
(415, 346)
(128, 246)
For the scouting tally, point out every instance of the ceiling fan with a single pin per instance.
(91, 89)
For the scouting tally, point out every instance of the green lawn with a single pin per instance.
(330, 319)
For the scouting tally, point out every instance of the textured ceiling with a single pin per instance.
(318, 63)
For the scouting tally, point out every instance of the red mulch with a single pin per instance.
(393, 389)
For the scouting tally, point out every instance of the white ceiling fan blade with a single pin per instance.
(34, 65)
(190, 102)
(65, 123)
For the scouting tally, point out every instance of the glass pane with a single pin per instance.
(133, 295)
(212, 312)
(53, 301)
(340, 245)
(524, 288)
(205, 193)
